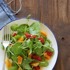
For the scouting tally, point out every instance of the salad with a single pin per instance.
(30, 49)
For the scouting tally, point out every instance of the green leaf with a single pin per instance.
(38, 44)
(23, 28)
(37, 47)
(43, 63)
(13, 39)
(13, 68)
(34, 29)
(16, 48)
(17, 37)
(2, 47)
(24, 53)
(26, 64)
(28, 69)
(14, 27)
(46, 45)
(24, 45)
(8, 52)
(50, 49)
(38, 51)
(14, 58)
(30, 45)
(48, 40)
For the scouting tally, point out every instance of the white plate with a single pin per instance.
(50, 35)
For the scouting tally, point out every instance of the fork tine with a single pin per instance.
(7, 32)
(4, 34)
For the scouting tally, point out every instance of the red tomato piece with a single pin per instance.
(33, 36)
(36, 68)
(14, 34)
(41, 40)
(28, 35)
(49, 53)
(36, 57)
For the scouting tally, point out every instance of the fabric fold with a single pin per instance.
(6, 15)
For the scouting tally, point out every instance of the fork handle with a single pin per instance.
(4, 60)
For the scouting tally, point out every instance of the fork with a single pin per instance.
(5, 41)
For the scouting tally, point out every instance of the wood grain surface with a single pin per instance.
(56, 15)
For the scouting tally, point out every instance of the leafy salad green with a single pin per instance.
(30, 49)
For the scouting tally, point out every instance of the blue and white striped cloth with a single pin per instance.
(6, 15)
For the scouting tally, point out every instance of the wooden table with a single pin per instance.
(56, 14)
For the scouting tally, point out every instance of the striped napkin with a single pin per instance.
(6, 15)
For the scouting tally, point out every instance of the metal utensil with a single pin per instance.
(6, 41)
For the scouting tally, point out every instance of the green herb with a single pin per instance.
(16, 48)
(34, 29)
(14, 27)
(26, 64)
(22, 28)
(43, 63)
(13, 68)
